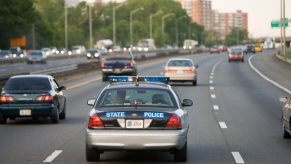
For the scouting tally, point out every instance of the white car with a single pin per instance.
(37, 56)
(182, 70)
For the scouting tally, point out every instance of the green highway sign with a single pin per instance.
(277, 23)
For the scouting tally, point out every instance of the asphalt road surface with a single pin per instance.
(235, 119)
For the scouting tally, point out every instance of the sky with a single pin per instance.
(260, 14)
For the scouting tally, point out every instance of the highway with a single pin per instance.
(235, 119)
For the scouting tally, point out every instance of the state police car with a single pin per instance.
(137, 113)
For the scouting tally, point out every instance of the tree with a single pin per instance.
(16, 19)
(236, 36)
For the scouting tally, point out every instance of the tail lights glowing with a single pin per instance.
(174, 122)
(45, 98)
(170, 70)
(189, 70)
(95, 121)
(6, 98)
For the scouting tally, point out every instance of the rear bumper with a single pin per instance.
(117, 70)
(177, 77)
(236, 58)
(37, 111)
(136, 139)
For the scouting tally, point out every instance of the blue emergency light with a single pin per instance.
(153, 79)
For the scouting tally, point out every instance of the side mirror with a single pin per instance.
(61, 88)
(91, 102)
(187, 102)
(283, 99)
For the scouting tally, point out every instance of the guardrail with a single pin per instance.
(69, 70)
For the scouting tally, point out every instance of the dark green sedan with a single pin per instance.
(32, 96)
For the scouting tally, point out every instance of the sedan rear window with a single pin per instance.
(139, 97)
(180, 63)
(27, 84)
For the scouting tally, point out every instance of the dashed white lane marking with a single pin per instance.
(215, 107)
(213, 96)
(237, 157)
(53, 156)
(222, 125)
(211, 88)
(84, 83)
(266, 78)
(211, 77)
(20, 67)
(212, 73)
(210, 81)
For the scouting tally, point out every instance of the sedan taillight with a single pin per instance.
(169, 70)
(6, 98)
(45, 98)
(189, 70)
(95, 121)
(174, 122)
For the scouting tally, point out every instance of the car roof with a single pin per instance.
(180, 59)
(148, 85)
(32, 76)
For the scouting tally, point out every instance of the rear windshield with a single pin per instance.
(180, 63)
(236, 52)
(119, 56)
(36, 53)
(27, 84)
(139, 97)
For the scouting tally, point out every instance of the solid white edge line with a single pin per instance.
(266, 78)
(237, 157)
(222, 125)
(215, 107)
(213, 96)
(53, 156)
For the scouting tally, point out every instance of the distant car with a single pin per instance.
(47, 51)
(250, 48)
(93, 53)
(32, 96)
(118, 63)
(62, 51)
(214, 49)
(37, 56)
(236, 54)
(222, 48)
(5, 54)
(79, 50)
(286, 117)
(137, 114)
(54, 50)
(181, 70)
(258, 48)
(17, 52)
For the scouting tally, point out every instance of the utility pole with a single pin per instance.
(90, 26)
(114, 21)
(284, 31)
(177, 29)
(66, 25)
(130, 22)
(33, 36)
(163, 24)
(151, 22)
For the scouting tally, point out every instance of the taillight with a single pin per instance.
(169, 70)
(95, 121)
(6, 98)
(45, 98)
(174, 122)
(190, 70)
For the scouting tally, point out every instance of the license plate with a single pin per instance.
(134, 124)
(117, 70)
(25, 112)
(179, 72)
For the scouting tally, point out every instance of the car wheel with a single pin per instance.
(104, 77)
(194, 83)
(92, 154)
(55, 116)
(3, 120)
(181, 155)
(242, 60)
(285, 134)
(63, 113)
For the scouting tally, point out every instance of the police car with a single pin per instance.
(137, 113)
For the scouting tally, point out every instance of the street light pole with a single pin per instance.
(90, 26)
(66, 25)
(151, 22)
(284, 31)
(177, 29)
(281, 25)
(163, 24)
(114, 20)
(131, 13)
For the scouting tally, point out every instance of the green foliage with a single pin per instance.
(16, 18)
(236, 37)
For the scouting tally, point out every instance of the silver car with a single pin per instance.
(37, 56)
(137, 116)
(181, 69)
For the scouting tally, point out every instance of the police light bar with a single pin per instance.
(156, 79)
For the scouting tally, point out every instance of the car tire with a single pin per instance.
(194, 82)
(63, 113)
(181, 154)
(55, 116)
(3, 120)
(242, 60)
(285, 134)
(92, 155)
(104, 77)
